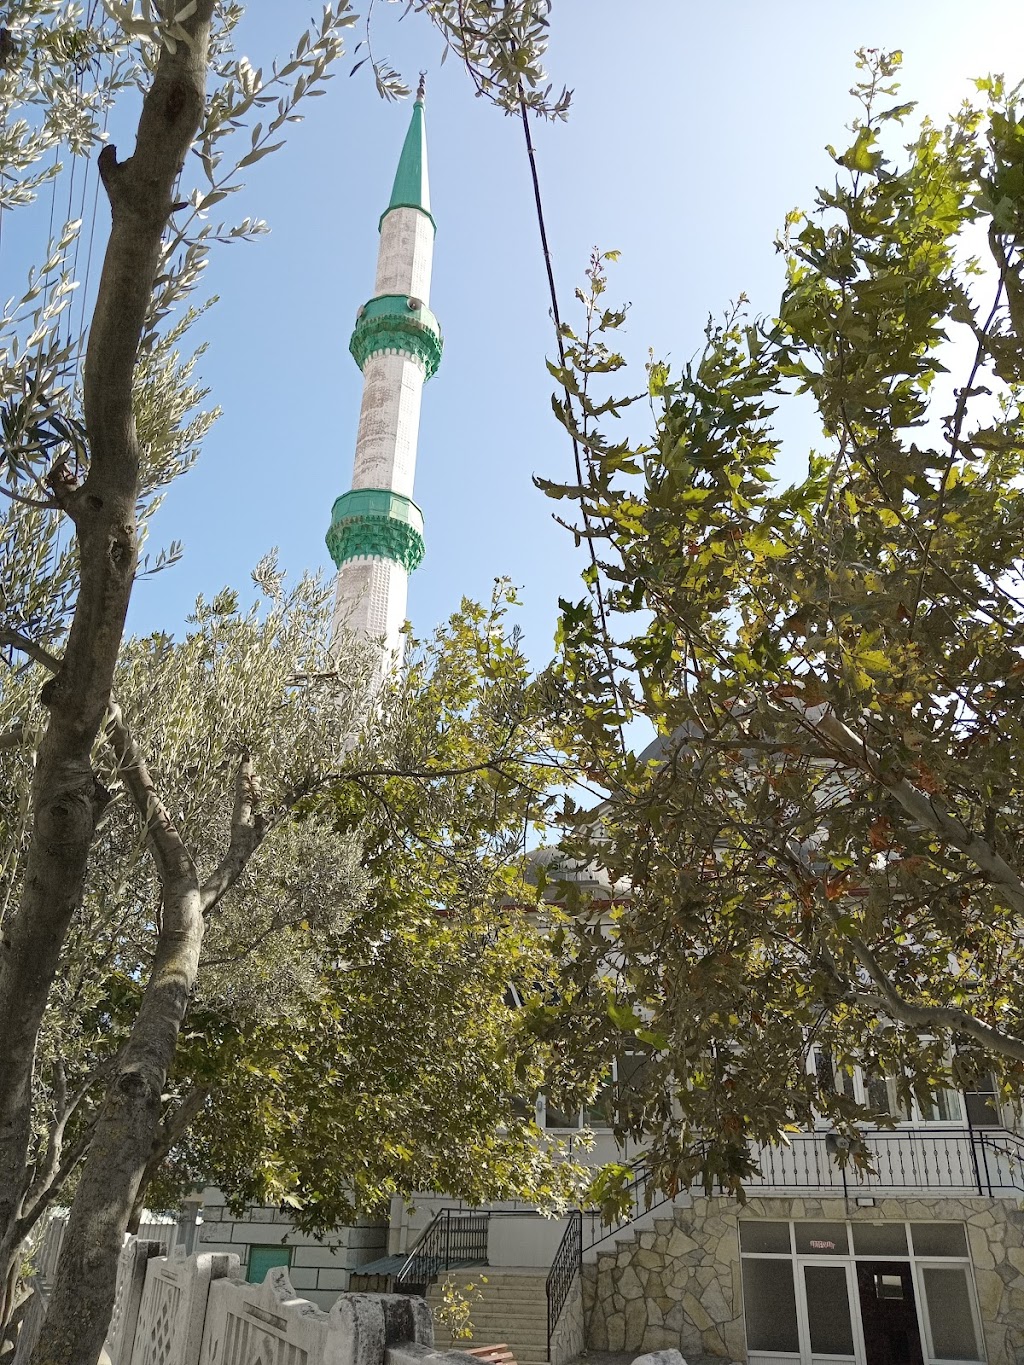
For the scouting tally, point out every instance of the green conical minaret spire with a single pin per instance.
(411, 189)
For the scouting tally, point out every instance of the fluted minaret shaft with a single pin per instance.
(376, 535)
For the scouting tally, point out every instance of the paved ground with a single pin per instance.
(627, 1358)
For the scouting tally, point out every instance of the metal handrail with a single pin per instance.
(568, 1259)
(564, 1270)
(640, 1201)
(451, 1238)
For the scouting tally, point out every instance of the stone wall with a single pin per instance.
(568, 1337)
(674, 1286)
(679, 1285)
(320, 1267)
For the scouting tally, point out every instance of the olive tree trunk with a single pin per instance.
(66, 796)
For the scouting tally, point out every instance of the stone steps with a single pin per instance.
(512, 1309)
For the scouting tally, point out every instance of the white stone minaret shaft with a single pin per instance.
(376, 535)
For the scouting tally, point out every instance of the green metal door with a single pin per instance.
(262, 1259)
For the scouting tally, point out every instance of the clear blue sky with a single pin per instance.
(694, 129)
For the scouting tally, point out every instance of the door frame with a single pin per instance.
(922, 1339)
(928, 1346)
(803, 1325)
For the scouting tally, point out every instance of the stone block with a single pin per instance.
(735, 1339)
(981, 1253)
(714, 1304)
(679, 1243)
(990, 1293)
(636, 1324)
(616, 1332)
(713, 1342)
(262, 1213)
(694, 1310)
(333, 1280)
(326, 1256)
(245, 1232)
(629, 1285)
(302, 1277)
(663, 1357)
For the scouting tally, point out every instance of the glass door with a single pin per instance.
(888, 1313)
(827, 1312)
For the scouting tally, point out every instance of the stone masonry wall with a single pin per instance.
(679, 1285)
(568, 1339)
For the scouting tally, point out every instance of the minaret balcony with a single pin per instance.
(376, 523)
(394, 322)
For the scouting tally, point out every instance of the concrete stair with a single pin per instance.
(512, 1308)
(657, 1218)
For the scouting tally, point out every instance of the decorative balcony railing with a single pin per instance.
(979, 1161)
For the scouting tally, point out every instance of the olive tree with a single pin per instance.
(92, 455)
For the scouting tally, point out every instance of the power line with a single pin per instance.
(92, 225)
(578, 457)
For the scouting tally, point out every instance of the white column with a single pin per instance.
(405, 255)
(389, 423)
(370, 599)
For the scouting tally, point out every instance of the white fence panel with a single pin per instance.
(268, 1324)
(131, 1278)
(31, 1325)
(173, 1308)
(53, 1239)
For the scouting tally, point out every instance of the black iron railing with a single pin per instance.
(565, 1269)
(985, 1161)
(451, 1239)
(584, 1230)
(642, 1196)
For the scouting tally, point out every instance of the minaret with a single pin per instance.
(376, 535)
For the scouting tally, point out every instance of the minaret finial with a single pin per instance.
(421, 89)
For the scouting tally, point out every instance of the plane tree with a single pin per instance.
(824, 841)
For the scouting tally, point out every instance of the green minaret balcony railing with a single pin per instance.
(376, 523)
(393, 322)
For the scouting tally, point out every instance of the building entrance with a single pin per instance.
(858, 1293)
(888, 1313)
